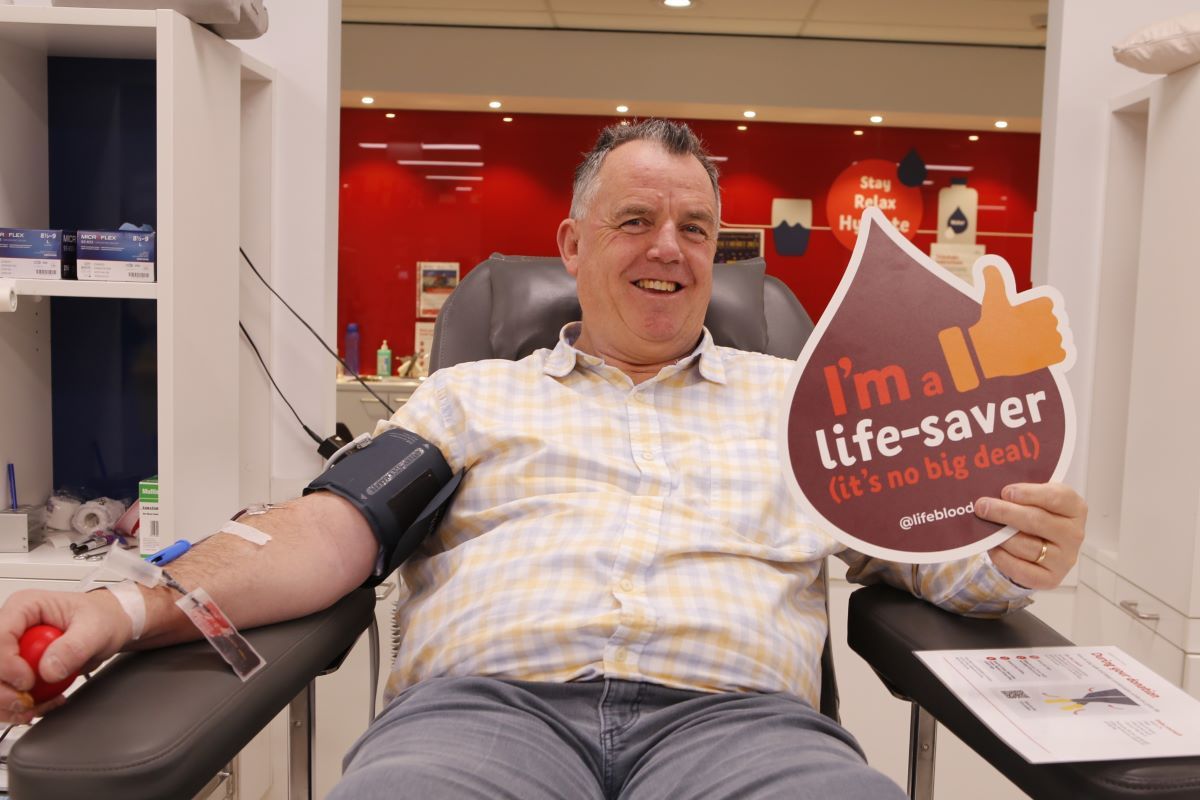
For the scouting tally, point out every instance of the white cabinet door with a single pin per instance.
(1099, 622)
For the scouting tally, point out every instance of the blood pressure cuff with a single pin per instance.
(401, 484)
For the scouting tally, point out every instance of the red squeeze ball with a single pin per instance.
(33, 643)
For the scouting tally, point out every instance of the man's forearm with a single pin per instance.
(320, 549)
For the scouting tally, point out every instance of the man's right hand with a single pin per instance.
(94, 627)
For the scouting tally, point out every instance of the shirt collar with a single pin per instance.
(565, 356)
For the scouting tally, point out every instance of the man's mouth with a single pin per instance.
(665, 287)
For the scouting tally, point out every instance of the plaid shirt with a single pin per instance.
(634, 532)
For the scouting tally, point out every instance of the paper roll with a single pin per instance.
(60, 511)
(8, 294)
(97, 515)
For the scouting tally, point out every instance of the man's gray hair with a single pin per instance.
(675, 137)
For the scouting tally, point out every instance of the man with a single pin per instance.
(621, 600)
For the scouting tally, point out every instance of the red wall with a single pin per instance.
(391, 217)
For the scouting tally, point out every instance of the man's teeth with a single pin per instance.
(658, 286)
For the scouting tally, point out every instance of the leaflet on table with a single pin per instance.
(1053, 704)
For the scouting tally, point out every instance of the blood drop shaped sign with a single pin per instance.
(917, 393)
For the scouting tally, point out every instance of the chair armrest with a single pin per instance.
(162, 723)
(887, 625)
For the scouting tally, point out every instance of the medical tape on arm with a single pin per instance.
(129, 596)
(253, 535)
(132, 570)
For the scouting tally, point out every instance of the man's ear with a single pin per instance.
(568, 245)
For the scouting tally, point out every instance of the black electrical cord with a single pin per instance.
(254, 347)
(331, 351)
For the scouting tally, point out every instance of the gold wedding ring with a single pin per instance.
(1042, 555)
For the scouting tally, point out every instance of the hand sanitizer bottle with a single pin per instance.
(383, 361)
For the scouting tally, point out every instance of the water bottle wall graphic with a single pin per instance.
(958, 213)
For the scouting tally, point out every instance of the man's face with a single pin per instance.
(642, 255)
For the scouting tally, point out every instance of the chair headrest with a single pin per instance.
(510, 306)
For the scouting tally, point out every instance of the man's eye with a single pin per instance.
(634, 223)
(695, 232)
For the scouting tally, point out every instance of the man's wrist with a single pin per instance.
(108, 607)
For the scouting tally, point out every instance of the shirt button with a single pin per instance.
(648, 455)
(621, 654)
(626, 585)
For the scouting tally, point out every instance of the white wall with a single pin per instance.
(1081, 78)
(303, 46)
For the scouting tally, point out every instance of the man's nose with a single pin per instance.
(665, 246)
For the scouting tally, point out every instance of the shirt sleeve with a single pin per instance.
(971, 586)
(431, 413)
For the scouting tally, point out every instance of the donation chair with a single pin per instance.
(509, 306)
(160, 724)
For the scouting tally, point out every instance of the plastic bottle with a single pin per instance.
(383, 360)
(352, 347)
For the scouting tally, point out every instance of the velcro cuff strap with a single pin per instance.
(400, 483)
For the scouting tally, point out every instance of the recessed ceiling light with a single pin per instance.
(494, 104)
(622, 109)
(875, 118)
(447, 146)
(462, 188)
(390, 115)
(749, 114)
(624, 122)
(742, 127)
(507, 119)
(1000, 123)
(453, 177)
(373, 145)
(366, 101)
(858, 133)
(677, 3)
(974, 137)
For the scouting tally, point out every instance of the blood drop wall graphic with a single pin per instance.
(917, 394)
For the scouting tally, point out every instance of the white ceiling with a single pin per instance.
(990, 22)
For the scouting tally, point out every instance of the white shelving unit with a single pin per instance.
(203, 85)
(214, 141)
(1140, 571)
(35, 289)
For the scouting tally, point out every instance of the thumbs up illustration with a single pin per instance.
(1010, 338)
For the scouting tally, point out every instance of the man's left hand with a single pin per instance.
(1050, 519)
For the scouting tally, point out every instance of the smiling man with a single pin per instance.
(640, 243)
(623, 601)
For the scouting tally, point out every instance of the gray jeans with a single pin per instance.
(490, 738)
